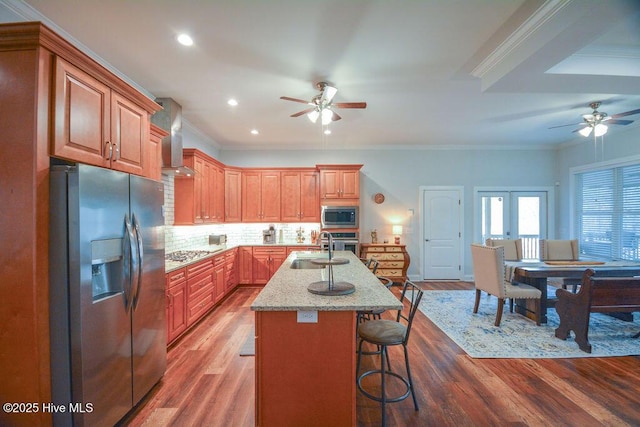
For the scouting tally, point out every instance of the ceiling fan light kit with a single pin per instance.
(322, 105)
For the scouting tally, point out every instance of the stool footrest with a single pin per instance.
(380, 398)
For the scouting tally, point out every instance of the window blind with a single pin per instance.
(608, 212)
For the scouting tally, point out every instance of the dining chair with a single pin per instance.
(489, 276)
(512, 248)
(561, 250)
(386, 333)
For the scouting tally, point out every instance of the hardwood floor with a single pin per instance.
(208, 383)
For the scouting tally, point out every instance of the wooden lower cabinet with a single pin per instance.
(393, 260)
(200, 289)
(266, 261)
(305, 372)
(219, 277)
(176, 303)
(230, 270)
(245, 265)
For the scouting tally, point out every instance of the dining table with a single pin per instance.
(535, 272)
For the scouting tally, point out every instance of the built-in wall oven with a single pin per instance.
(339, 217)
(342, 241)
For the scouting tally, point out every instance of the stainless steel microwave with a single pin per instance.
(339, 217)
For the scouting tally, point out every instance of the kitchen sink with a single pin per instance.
(305, 264)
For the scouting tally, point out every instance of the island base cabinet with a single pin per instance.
(305, 372)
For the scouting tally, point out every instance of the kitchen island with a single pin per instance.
(306, 343)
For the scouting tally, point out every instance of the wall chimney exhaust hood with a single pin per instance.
(170, 119)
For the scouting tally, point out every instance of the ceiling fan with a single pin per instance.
(322, 104)
(597, 121)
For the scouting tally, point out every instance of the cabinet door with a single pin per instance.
(177, 319)
(219, 278)
(350, 184)
(245, 266)
(129, 135)
(261, 270)
(290, 196)
(309, 197)
(232, 199)
(218, 194)
(330, 184)
(82, 116)
(199, 183)
(251, 192)
(270, 196)
(276, 260)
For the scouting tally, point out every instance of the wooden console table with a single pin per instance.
(393, 260)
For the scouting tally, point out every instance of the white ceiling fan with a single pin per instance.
(322, 105)
(597, 122)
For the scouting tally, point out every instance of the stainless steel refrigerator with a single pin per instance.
(107, 292)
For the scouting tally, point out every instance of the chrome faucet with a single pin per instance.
(330, 241)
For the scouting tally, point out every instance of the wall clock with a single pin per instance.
(378, 198)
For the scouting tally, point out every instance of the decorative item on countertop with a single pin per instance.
(280, 236)
(269, 236)
(300, 235)
(314, 237)
(374, 236)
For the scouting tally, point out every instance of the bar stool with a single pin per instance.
(386, 333)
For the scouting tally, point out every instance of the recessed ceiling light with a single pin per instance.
(185, 39)
(254, 132)
(327, 132)
(232, 102)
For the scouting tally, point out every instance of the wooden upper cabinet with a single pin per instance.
(95, 124)
(339, 181)
(154, 157)
(199, 199)
(232, 195)
(261, 196)
(299, 192)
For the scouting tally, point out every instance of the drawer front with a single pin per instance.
(394, 249)
(391, 272)
(199, 285)
(197, 307)
(176, 277)
(270, 250)
(391, 264)
(198, 268)
(397, 256)
(374, 249)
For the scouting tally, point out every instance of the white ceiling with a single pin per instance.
(433, 73)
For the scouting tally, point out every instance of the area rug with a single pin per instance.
(517, 336)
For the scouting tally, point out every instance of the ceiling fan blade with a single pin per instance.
(563, 126)
(286, 98)
(350, 105)
(619, 122)
(335, 117)
(626, 113)
(300, 113)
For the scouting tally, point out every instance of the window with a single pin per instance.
(607, 214)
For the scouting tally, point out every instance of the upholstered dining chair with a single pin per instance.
(512, 248)
(386, 333)
(489, 276)
(561, 250)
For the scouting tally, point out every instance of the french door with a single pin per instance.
(514, 215)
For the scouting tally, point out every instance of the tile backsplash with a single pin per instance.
(183, 237)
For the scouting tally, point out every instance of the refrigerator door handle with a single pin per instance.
(130, 261)
(140, 255)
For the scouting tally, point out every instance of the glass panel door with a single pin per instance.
(513, 215)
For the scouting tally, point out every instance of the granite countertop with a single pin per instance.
(214, 250)
(287, 289)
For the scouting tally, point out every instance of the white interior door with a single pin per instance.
(441, 217)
